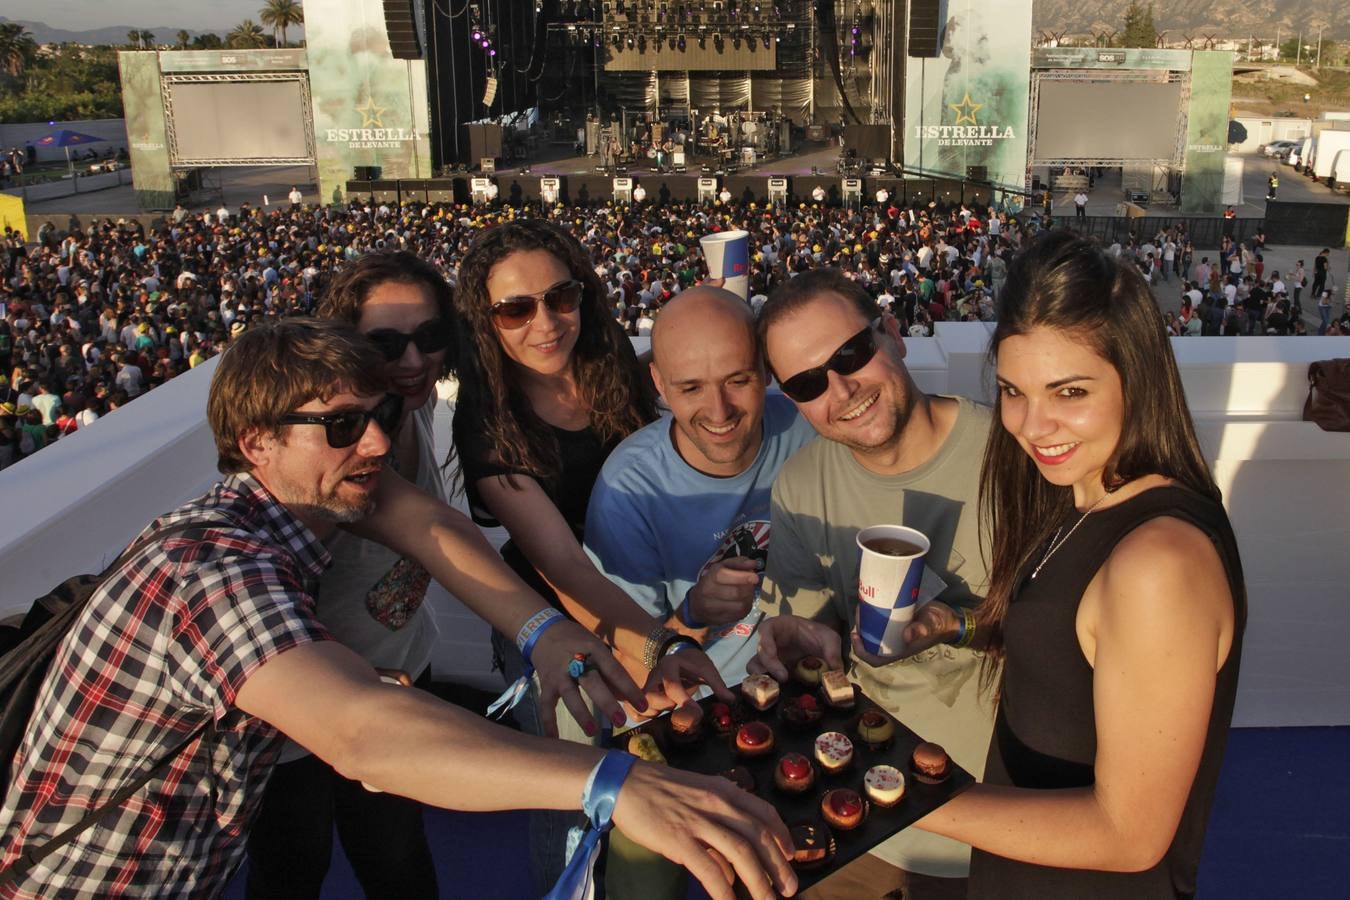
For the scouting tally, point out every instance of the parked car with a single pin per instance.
(1278, 149)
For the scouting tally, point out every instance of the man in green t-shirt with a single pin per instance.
(886, 453)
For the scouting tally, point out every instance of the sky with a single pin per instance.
(79, 15)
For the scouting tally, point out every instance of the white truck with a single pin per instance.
(1329, 155)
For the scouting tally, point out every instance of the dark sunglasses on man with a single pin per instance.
(432, 336)
(851, 356)
(511, 313)
(342, 429)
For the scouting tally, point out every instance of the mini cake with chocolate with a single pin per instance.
(741, 777)
(930, 763)
(801, 712)
(836, 687)
(794, 773)
(723, 722)
(760, 691)
(834, 751)
(875, 729)
(812, 845)
(754, 739)
(808, 670)
(686, 724)
(843, 808)
(884, 785)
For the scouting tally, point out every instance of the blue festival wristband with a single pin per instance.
(687, 613)
(603, 785)
(535, 626)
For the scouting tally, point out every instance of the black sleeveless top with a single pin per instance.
(1045, 732)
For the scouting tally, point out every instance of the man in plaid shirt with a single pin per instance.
(215, 627)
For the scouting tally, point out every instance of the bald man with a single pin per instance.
(679, 517)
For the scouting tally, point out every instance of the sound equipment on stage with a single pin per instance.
(818, 133)
(778, 190)
(851, 188)
(977, 173)
(358, 189)
(384, 191)
(441, 190)
(402, 30)
(412, 191)
(490, 90)
(707, 190)
(927, 27)
(867, 141)
(623, 190)
(484, 140)
(487, 165)
(480, 189)
(550, 189)
(677, 159)
(365, 173)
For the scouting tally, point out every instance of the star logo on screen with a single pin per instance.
(371, 114)
(965, 110)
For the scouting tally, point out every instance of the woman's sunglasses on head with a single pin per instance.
(517, 312)
(432, 336)
(851, 356)
(342, 429)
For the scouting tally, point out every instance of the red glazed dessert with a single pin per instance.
(801, 712)
(754, 739)
(842, 808)
(722, 720)
(794, 773)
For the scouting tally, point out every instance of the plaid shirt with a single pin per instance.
(162, 648)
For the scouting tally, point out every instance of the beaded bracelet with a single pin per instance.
(965, 629)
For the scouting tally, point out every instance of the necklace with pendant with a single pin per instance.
(1058, 542)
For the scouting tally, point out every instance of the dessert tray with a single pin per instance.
(714, 750)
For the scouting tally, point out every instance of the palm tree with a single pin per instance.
(134, 38)
(247, 35)
(16, 48)
(280, 15)
(183, 40)
(207, 41)
(148, 40)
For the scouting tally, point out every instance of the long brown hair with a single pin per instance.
(1064, 282)
(603, 362)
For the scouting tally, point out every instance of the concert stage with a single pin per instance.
(581, 182)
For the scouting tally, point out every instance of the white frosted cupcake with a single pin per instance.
(884, 785)
(834, 751)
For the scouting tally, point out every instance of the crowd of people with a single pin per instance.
(94, 317)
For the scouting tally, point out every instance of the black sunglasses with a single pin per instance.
(432, 336)
(346, 428)
(851, 356)
(517, 312)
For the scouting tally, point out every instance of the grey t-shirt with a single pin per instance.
(822, 498)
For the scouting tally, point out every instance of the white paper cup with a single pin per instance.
(728, 257)
(888, 586)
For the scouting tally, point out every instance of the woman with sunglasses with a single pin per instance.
(551, 387)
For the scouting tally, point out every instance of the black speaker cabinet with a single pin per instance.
(412, 191)
(384, 191)
(402, 29)
(977, 173)
(927, 23)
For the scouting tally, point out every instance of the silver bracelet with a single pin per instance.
(655, 643)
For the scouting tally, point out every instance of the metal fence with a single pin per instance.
(1204, 234)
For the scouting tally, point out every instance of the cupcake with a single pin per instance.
(875, 729)
(834, 751)
(930, 763)
(754, 739)
(884, 785)
(808, 670)
(794, 773)
(760, 691)
(843, 808)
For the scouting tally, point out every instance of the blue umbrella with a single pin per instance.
(67, 139)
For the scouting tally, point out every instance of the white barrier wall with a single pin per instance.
(1286, 484)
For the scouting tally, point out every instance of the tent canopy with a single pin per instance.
(67, 138)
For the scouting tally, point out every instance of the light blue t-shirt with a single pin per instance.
(655, 523)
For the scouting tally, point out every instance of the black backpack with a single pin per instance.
(26, 653)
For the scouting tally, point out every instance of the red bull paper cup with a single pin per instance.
(728, 257)
(889, 576)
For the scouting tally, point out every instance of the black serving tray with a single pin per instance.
(713, 754)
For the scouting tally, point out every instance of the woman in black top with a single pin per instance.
(1116, 608)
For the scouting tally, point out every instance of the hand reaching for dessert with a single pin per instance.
(670, 684)
(785, 639)
(552, 654)
(934, 623)
(682, 816)
(726, 591)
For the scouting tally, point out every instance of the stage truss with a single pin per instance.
(1153, 76)
(178, 164)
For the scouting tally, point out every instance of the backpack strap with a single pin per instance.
(32, 857)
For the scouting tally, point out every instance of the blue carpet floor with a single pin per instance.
(1280, 828)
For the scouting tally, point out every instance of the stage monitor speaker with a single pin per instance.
(366, 173)
(778, 190)
(412, 191)
(384, 191)
(550, 189)
(977, 173)
(927, 27)
(441, 190)
(818, 133)
(402, 29)
(358, 189)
